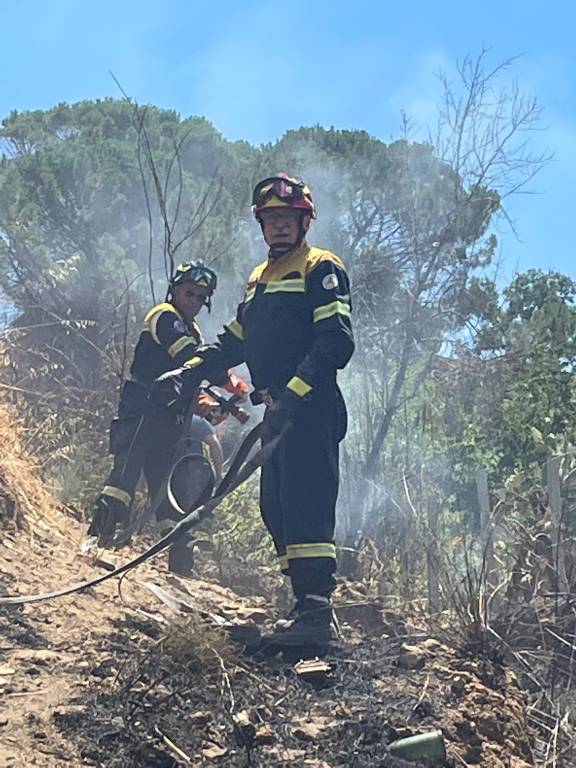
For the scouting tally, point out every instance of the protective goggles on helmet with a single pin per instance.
(280, 191)
(286, 190)
(195, 272)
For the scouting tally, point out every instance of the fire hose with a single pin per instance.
(239, 471)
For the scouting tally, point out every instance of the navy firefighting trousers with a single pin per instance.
(142, 439)
(298, 493)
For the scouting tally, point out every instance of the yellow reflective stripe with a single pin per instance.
(293, 285)
(152, 317)
(235, 329)
(152, 323)
(193, 362)
(250, 293)
(179, 345)
(334, 308)
(164, 307)
(283, 562)
(299, 386)
(117, 493)
(294, 551)
(195, 327)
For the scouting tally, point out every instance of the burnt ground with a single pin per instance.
(113, 677)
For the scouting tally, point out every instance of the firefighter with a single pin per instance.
(293, 329)
(143, 435)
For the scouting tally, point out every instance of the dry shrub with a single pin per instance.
(24, 498)
(192, 641)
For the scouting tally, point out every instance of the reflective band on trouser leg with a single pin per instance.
(283, 563)
(312, 568)
(117, 493)
(321, 549)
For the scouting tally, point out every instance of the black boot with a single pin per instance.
(293, 615)
(108, 513)
(310, 631)
(181, 558)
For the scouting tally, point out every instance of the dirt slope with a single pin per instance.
(88, 681)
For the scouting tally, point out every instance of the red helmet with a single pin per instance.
(282, 191)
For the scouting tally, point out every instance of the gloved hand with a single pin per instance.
(167, 389)
(174, 389)
(280, 413)
(108, 514)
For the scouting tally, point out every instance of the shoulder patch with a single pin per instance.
(329, 282)
(179, 326)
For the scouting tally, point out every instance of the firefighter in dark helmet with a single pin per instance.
(143, 436)
(293, 329)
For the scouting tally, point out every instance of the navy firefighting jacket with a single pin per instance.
(165, 343)
(293, 327)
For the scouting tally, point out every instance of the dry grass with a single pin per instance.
(191, 641)
(24, 499)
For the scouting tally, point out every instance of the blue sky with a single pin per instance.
(256, 69)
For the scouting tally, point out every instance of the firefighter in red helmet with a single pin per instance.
(293, 329)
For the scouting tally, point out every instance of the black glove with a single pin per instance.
(168, 388)
(108, 513)
(175, 389)
(280, 413)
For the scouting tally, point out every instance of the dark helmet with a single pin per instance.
(195, 272)
(282, 191)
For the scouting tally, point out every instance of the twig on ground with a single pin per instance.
(172, 747)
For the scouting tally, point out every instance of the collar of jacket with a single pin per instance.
(289, 255)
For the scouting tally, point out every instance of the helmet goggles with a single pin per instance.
(282, 191)
(285, 190)
(195, 272)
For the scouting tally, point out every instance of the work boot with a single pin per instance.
(108, 513)
(293, 615)
(181, 558)
(310, 631)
